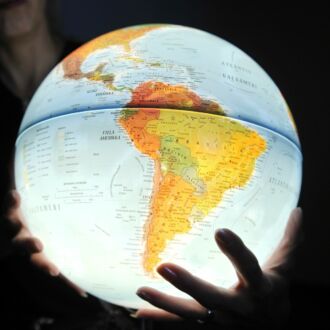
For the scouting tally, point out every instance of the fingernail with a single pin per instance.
(224, 236)
(143, 295)
(84, 294)
(133, 315)
(54, 272)
(168, 273)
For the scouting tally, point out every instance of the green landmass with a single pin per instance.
(174, 156)
(126, 113)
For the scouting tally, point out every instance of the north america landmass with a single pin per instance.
(198, 153)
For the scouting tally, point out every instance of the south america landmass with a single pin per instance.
(198, 153)
(198, 156)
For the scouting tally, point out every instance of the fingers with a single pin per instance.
(156, 314)
(203, 292)
(40, 261)
(20, 239)
(13, 218)
(14, 233)
(185, 308)
(282, 258)
(73, 286)
(24, 243)
(244, 261)
(176, 309)
(12, 200)
(293, 231)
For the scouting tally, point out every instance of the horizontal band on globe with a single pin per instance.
(100, 110)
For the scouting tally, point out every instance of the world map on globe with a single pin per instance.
(144, 141)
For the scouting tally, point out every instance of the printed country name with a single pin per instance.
(41, 130)
(281, 183)
(103, 93)
(235, 66)
(45, 208)
(239, 80)
(109, 135)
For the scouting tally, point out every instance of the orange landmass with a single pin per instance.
(135, 127)
(123, 37)
(225, 150)
(167, 217)
(171, 205)
(163, 95)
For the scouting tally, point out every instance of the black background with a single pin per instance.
(291, 42)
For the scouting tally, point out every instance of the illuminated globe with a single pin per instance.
(144, 141)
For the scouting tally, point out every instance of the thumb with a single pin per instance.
(282, 258)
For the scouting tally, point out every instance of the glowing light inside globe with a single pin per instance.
(144, 141)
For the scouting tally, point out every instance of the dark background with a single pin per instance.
(291, 44)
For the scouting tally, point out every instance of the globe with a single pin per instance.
(140, 144)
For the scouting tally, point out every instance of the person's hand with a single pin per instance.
(16, 238)
(260, 297)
